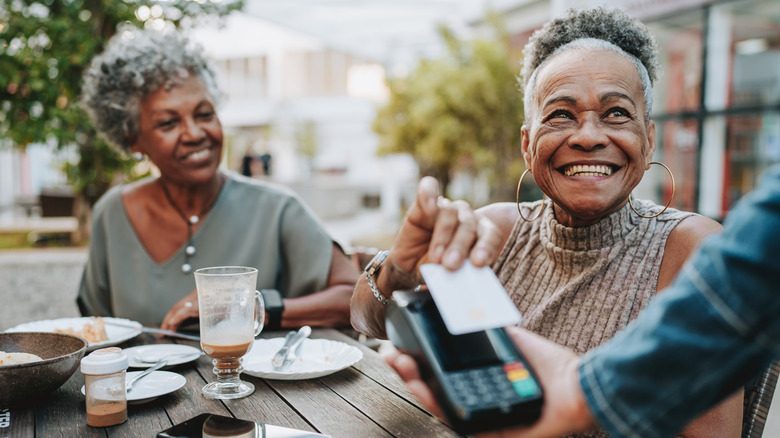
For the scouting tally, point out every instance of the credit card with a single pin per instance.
(470, 299)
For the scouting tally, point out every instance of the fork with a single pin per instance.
(155, 367)
(292, 357)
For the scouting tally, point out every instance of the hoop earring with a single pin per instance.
(670, 198)
(517, 200)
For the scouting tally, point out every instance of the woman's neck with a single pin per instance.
(192, 199)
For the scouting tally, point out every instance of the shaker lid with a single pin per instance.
(104, 361)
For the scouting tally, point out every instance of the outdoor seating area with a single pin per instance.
(372, 218)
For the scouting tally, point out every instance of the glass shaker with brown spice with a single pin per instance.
(104, 384)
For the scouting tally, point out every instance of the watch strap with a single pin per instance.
(371, 270)
(274, 312)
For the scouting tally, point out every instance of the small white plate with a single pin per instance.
(317, 358)
(157, 383)
(177, 354)
(118, 330)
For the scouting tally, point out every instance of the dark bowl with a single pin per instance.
(61, 354)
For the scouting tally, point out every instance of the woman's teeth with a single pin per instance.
(198, 155)
(588, 170)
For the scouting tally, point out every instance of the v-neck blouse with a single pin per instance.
(252, 223)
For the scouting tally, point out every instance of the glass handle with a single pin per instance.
(259, 312)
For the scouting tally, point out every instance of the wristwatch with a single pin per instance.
(372, 269)
(274, 305)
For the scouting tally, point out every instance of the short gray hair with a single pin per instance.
(134, 64)
(596, 28)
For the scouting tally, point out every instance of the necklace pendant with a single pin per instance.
(186, 268)
(194, 219)
(189, 250)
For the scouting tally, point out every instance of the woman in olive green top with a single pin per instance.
(154, 95)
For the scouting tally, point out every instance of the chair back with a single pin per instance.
(758, 398)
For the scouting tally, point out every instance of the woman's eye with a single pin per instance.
(560, 114)
(618, 113)
(205, 114)
(167, 123)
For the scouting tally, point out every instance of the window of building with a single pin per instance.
(680, 38)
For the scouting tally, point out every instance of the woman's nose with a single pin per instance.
(192, 131)
(589, 134)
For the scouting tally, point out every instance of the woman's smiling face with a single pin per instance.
(587, 140)
(180, 132)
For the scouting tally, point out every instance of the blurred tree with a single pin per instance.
(45, 46)
(462, 112)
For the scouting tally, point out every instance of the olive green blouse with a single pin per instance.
(252, 223)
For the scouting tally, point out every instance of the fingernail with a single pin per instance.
(480, 256)
(452, 258)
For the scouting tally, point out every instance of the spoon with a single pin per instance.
(155, 367)
(154, 358)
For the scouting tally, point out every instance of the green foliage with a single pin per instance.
(462, 112)
(45, 46)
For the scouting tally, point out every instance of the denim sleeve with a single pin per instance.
(703, 337)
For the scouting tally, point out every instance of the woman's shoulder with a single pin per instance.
(692, 229)
(241, 184)
(261, 195)
(682, 242)
(108, 201)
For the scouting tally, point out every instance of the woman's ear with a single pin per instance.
(650, 143)
(525, 146)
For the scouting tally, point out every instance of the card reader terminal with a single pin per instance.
(481, 380)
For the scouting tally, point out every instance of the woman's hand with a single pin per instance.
(437, 230)
(185, 308)
(564, 411)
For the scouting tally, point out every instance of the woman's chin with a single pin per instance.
(584, 212)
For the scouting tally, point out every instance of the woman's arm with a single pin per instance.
(330, 306)
(725, 419)
(326, 308)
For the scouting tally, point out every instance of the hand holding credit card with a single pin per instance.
(470, 299)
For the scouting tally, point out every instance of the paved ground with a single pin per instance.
(42, 281)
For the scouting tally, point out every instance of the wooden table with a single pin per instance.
(365, 400)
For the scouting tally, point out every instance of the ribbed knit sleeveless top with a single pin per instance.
(579, 286)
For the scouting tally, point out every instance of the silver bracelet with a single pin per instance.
(372, 269)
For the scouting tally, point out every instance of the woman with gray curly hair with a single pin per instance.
(154, 94)
(581, 265)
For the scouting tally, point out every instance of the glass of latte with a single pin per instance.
(231, 315)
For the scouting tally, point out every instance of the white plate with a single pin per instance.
(157, 383)
(118, 330)
(317, 358)
(177, 354)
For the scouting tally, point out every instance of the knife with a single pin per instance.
(134, 326)
(290, 343)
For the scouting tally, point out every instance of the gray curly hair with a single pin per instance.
(596, 28)
(134, 64)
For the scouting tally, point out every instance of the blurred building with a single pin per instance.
(717, 103)
(308, 106)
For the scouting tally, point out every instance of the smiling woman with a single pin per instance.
(153, 94)
(582, 264)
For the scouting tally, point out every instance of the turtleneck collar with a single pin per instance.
(604, 233)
